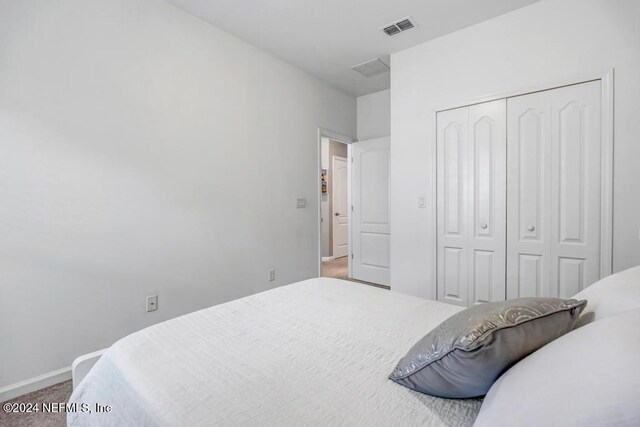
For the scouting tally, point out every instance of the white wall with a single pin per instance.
(374, 116)
(144, 151)
(545, 43)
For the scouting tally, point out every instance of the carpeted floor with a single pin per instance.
(57, 393)
(339, 269)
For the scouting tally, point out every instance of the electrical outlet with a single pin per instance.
(271, 275)
(152, 303)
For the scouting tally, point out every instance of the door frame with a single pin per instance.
(606, 180)
(333, 229)
(345, 139)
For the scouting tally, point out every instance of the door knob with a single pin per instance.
(483, 226)
(337, 214)
(531, 228)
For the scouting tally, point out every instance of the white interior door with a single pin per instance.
(340, 203)
(452, 205)
(471, 203)
(370, 219)
(554, 191)
(487, 201)
(529, 183)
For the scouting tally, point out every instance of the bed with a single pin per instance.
(312, 353)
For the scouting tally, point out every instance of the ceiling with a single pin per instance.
(327, 37)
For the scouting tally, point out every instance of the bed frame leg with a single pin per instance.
(83, 364)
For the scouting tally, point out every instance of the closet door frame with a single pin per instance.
(606, 180)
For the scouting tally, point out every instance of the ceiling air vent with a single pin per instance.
(392, 30)
(397, 27)
(371, 68)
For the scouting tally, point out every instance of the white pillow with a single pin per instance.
(611, 295)
(588, 377)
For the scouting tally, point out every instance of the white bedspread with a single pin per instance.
(314, 353)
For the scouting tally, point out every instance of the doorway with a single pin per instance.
(334, 208)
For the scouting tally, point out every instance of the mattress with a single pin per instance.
(314, 353)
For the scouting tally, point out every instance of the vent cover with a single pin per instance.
(371, 68)
(392, 30)
(399, 26)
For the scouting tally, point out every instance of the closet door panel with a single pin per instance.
(529, 143)
(453, 163)
(571, 276)
(487, 201)
(529, 275)
(454, 280)
(452, 205)
(528, 148)
(554, 144)
(485, 276)
(576, 122)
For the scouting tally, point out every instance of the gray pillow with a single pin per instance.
(466, 353)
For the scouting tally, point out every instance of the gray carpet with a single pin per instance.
(56, 393)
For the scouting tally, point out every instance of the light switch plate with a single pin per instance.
(422, 202)
(301, 203)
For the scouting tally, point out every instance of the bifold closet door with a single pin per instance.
(471, 191)
(554, 176)
(487, 201)
(452, 205)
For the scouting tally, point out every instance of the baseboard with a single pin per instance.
(328, 258)
(33, 384)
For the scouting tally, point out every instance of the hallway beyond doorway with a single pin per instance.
(338, 268)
